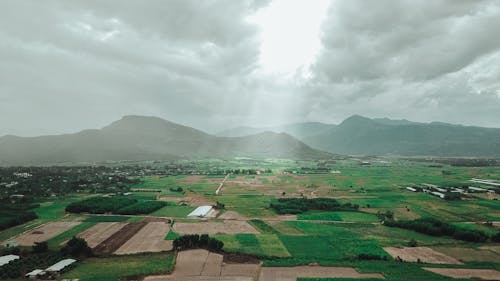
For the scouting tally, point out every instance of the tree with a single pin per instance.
(40, 247)
(76, 247)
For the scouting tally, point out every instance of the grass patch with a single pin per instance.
(172, 235)
(263, 227)
(339, 216)
(173, 210)
(117, 268)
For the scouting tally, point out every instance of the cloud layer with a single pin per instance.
(69, 65)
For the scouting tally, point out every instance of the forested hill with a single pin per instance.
(361, 135)
(140, 138)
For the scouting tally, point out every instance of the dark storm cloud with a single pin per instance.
(70, 65)
(423, 60)
(75, 64)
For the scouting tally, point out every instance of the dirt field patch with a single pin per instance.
(115, 241)
(100, 232)
(226, 227)
(486, 274)
(469, 254)
(292, 273)
(404, 214)
(232, 215)
(495, 249)
(151, 238)
(424, 254)
(201, 265)
(45, 232)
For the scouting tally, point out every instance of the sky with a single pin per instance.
(72, 65)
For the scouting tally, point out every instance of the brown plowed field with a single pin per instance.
(100, 232)
(201, 265)
(292, 273)
(226, 227)
(151, 238)
(462, 273)
(45, 232)
(427, 255)
(115, 241)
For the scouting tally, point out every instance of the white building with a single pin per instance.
(200, 212)
(8, 258)
(58, 267)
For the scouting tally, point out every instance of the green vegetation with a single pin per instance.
(106, 218)
(263, 227)
(76, 247)
(436, 227)
(339, 216)
(116, 205)
(301, 205)
(195, 241)
(100, 205)
(173, 209)
(17, 268)
(142, 208)
(120, 267)
(263, 245)
(172, 235)
(12, 215)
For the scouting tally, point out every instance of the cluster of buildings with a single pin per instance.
(442, 191)
(51, 272)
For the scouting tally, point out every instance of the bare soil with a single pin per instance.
(232, 215)
(292, 273)
(226, 227)
(151, 238)
(100, 232)
(469, 254)
(45, 232)
(201, 265)
(115, 241)
(424, 254)
(485, 274)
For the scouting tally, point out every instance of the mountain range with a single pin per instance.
(358, 135)
(138, 138)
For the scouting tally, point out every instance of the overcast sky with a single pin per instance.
(72, 65)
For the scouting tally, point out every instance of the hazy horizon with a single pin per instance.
(69, 66)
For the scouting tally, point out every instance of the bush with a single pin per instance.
(412, 243)
(76, 247)
(495, 237)
(195, 241)
(40, 247)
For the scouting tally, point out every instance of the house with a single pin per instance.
(8, 258)
(411, 189)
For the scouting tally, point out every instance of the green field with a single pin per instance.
(116, 268)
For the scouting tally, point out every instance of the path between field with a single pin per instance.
(218, 191)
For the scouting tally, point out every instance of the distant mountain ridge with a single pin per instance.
(298, 130)
(361, 135)
(139, 138)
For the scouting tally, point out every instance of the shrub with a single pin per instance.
(194, 241)
(76, 247)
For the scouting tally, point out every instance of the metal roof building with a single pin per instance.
(35, 273)
(201, 211)
(60, 265)
(8, 258)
